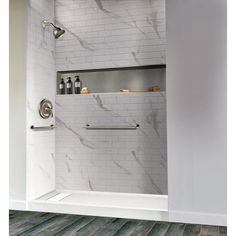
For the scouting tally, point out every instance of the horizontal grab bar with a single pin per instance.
(42, 128)
(116, 127)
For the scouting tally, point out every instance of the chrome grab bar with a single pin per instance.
(111, 127)
(42, 128)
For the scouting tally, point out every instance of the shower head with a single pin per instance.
(57, 31)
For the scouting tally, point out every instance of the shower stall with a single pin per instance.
(104, 152)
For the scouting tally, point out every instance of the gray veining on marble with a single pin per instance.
(100, 103)
(82, 42)
(152, 20)
(104, 34)
(122, 167)
(158, 190)
(100, 6)
(90, 185)
(45, 172)
(134, 54)
(152, 118)
(112, 112)
(81, 139)
(135, 23)
(132, 161)
(40, 71)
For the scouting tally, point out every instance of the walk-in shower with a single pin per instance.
(57, 31)
(102, 153)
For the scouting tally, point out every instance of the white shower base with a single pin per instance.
(123, 205)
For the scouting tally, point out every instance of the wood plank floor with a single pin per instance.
(48, 224)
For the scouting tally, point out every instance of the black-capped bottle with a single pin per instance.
(69, 86)
(77, 85)
(62, 87)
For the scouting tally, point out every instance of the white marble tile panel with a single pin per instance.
(41, 76)
(112, 160)
(101, 34)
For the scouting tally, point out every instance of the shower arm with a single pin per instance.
(46, 23)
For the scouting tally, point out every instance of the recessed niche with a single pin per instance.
(134, 79)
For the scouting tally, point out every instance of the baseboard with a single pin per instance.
(19, 205)
(198, 218)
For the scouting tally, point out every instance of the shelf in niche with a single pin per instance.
(112, 80)
(109, 93)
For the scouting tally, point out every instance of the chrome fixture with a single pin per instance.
(57, 31)
(45, 109)
(111, 127)
(42, 128)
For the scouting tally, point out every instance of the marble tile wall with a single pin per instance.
(100, 34)
(130, 161)
(110, 33)
(41, 74)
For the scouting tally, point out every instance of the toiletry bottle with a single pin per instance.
(69, 86)
(77, 85)
(62, 87)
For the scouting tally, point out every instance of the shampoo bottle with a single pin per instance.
(62, 87)
(77, 85)
(69, 86)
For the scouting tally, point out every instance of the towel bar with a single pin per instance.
(42, 128)
(111, 127)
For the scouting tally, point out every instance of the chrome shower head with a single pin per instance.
(57, 31)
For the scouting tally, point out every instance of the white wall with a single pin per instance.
(105, 34)
(17, 142)
(41, 82)
(196, 110)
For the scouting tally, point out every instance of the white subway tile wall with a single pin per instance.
(131, 161)
(110, 33)
(41, 77)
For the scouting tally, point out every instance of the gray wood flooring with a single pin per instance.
(48, 224)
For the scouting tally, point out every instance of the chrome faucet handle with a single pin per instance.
(49, 110)
(45, 109)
